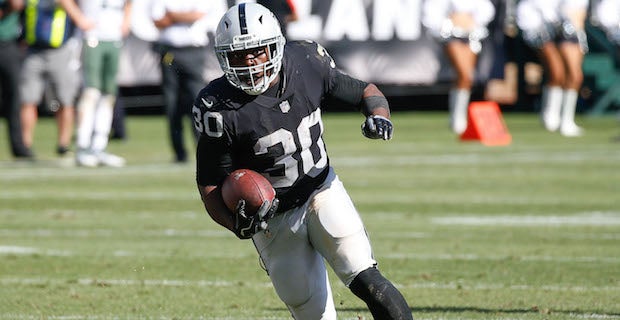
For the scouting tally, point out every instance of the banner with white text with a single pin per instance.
(380, 41)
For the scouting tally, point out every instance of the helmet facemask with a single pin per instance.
(254, 79)
(246, 33)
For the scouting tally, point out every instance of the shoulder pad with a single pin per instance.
(313, 49)
(219, 96)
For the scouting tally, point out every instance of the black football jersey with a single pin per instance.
(278, 133)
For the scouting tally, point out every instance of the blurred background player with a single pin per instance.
(100, 57)
(10, 64)
(264, 116)
(555, 29)
(460, 26)
(182, 45)
(52, 59)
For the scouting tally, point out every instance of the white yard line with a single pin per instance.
(14, 316)
(221, 233)
(101, 195)
(113, 233)
(595, 218)
(365, 196)
(611, 156)
(183, 194)
(36, 173)
(475, 257)
(10, 171)
(29, 251)
(223, 283)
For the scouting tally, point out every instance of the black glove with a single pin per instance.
(247, 225)
(377, 127)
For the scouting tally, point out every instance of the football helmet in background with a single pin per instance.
(250, 26)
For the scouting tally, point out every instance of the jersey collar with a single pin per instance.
(274, 95)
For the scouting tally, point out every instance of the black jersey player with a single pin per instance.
(265, 114)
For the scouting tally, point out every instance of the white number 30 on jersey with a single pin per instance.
(210, 123)
(289, 167)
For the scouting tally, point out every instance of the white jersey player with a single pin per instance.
(460, 26)
(100, 56)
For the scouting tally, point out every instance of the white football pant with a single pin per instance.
(296, 242)
(103, 123)
(86, 109)
(95, 113)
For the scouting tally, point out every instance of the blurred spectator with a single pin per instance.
(460, 26)
(100, 55)
(555, 29)
(182, 46)
(502, 86)
(283, 9)
(119, 128)
(10, 62)
(51, 59)
(608, 14)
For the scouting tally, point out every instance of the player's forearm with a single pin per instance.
(14, 5)
(213, 203)
(76, 14)
(164, 22)
(374, 102)
(126, 26)
(185, 16)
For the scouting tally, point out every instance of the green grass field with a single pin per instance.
(525, 231)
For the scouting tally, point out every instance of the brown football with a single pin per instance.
(248, 185)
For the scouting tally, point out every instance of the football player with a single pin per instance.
(555, 29)
(265, 114)
(101, 48)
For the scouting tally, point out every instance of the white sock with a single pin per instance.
(458, 102)
(569, 105)
(103, 122)
(551, 107)
(86, 117)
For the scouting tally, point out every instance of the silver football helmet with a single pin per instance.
(250, 26)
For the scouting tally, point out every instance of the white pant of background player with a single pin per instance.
(296, 241)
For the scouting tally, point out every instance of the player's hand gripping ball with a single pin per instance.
(252, 200)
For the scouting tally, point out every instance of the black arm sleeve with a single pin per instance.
(347, 88)
(213, 161)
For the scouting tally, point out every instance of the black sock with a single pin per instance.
(384, 301)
